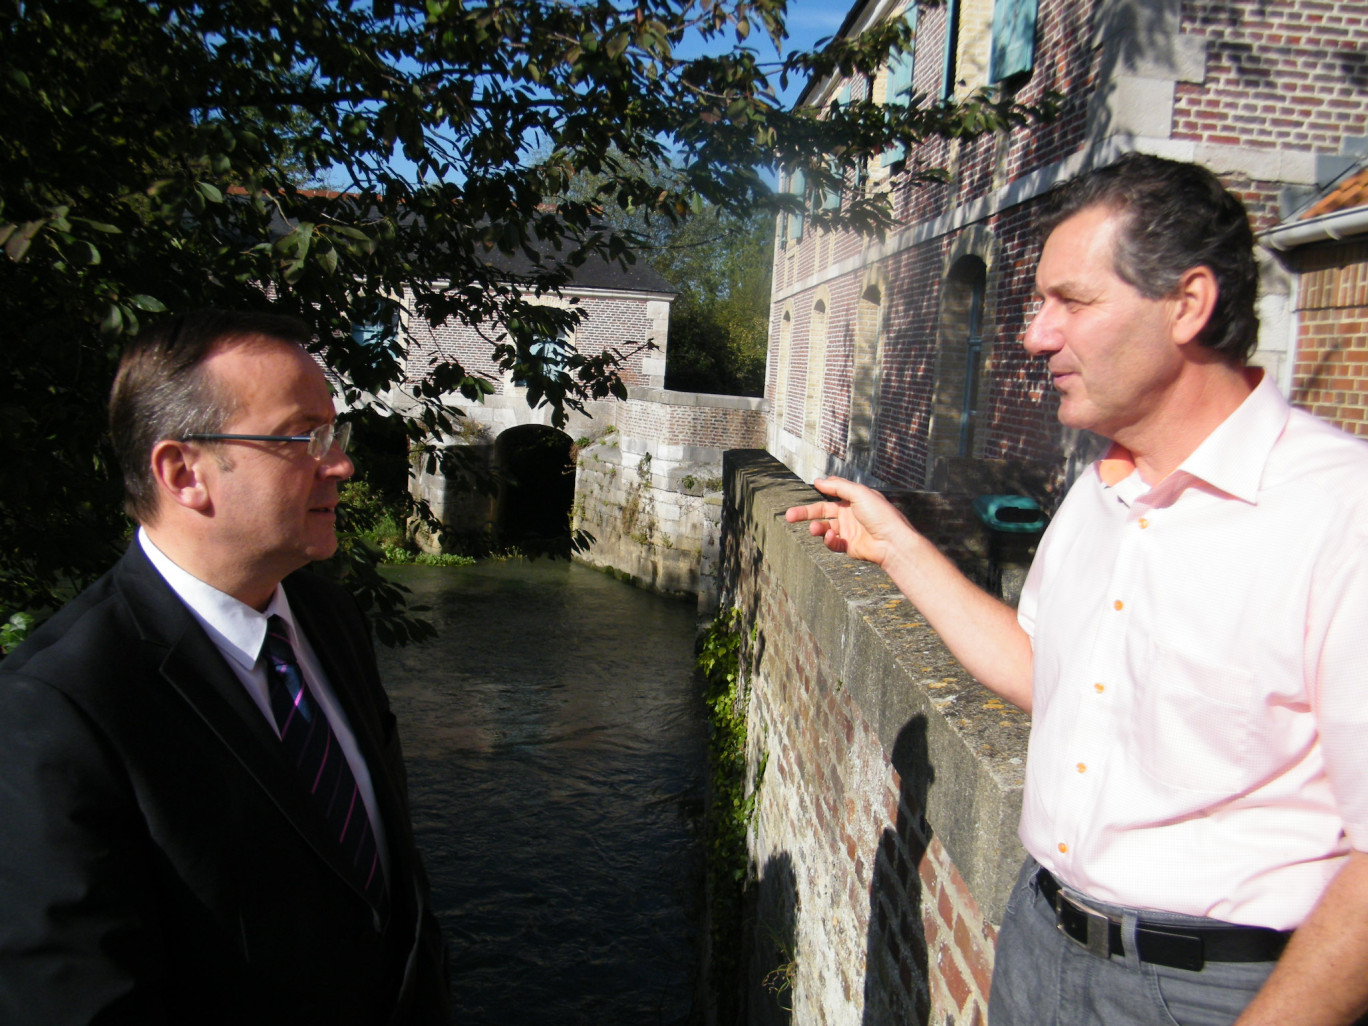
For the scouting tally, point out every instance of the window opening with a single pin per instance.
(973, 359)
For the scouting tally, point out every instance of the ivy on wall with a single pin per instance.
(731, 806)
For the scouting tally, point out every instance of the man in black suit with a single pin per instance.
(200, 824)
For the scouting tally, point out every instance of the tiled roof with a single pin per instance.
(1350, 193)
(596, 272)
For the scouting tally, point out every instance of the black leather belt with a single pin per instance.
(1181, 948)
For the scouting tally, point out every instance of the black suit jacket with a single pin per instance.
(159, 859)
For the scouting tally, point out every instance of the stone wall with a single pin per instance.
(648, 485)
(884, 839)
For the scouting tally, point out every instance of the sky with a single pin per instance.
(810, 21)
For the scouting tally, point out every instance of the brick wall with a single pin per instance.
(1286, 73)
(1330, 377)
(884, 839)
(611, 322)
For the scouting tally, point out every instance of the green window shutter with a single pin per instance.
(798, 187)
(1014, 23)
(951, 55)
(898, 94)
(831, 198)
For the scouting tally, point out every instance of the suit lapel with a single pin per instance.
(193, 666)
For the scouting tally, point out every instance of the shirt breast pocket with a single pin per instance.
(1194, 726)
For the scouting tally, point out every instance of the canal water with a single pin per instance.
(556, 751)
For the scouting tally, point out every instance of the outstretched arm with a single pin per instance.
(980, 631)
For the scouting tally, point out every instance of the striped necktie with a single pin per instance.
(311, 744)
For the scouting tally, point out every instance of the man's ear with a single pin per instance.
(1194, 301)
(178, 468)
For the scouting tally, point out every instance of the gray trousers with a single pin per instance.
(1043, 978)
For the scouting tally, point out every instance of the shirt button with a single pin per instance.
(1117, 605)
(1082, 767)
(1063, 848)
(1143, 523)
(1099, 688)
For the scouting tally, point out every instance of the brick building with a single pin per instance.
(626, 309)
(896, 359)
(1327, 247)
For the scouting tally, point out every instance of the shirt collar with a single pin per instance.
(1233, 456)
(235, 627)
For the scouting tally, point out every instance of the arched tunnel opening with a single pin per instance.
(536, 477)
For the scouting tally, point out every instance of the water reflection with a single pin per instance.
(556, 752)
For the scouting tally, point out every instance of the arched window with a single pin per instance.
(959, 366)
(864, 378)
(816, 373)
(781, 369)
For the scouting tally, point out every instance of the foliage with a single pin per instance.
(155, 155)
(719, 328)
(720, 261)
(14, 630)
(361, 516)
(730, 806)
(401, 556)
(373, 517)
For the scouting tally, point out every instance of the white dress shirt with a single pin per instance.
(1199, 740)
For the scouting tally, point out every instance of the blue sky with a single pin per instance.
(809, 21)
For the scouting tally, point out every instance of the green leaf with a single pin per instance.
(113, 320)
(17, 241)
(99, 226)
(618, 43)
(149, 303)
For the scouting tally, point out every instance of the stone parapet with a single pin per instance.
(889, 781)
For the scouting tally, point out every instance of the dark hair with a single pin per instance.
(163, 391)
(1177, 216)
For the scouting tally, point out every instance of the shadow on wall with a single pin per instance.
(774, 962)
(896, 969)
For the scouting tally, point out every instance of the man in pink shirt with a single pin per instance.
(1188, 641)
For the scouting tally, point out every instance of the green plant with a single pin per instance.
(14, 630)
(688, 481)
(165, 156)
(369, 517)
(779, 980)
(730, 806)
(444, 559)
(631, 510)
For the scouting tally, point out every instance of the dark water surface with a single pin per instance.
(556, 750)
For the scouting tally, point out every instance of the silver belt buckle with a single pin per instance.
(1098, 928)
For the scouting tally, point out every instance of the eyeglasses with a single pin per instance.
(321, 439)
